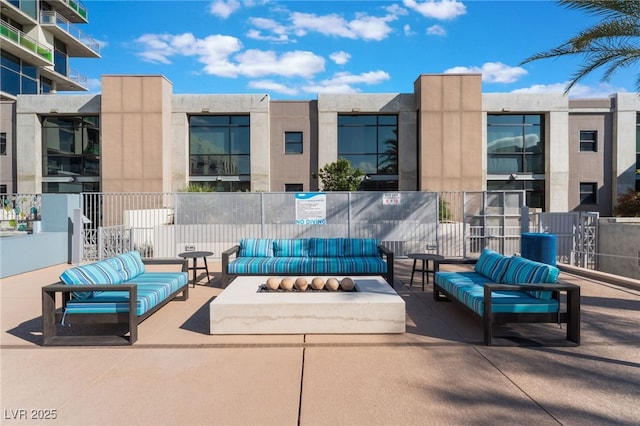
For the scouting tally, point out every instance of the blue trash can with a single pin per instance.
(539, 247)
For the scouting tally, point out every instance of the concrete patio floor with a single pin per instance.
(438, 372)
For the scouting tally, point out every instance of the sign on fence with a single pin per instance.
(311, 209)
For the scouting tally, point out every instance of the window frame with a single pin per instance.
(584, 143)
(293, 144)
(293, 187)
(591, 197)
(3, 144)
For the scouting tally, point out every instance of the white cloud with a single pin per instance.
(343, 82)
(216, 51)
(224, 8)
(436, 30)
(340, 57)
(364, 27)
(407, 30)
(278, 31)
(272, 86)
(601, 90)
(492, 72)
(437, 9)
(255, 63)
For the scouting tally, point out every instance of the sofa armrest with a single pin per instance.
(167, 261)
(450, 261)
(388, 255)
(49, 309)
(226, 255)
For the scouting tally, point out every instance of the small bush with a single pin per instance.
(628, 204)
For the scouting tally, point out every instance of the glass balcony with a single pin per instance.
(71, 8)
(70, 34)
(18, 38)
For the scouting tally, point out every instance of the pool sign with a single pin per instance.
(311, 208)
(391, 199)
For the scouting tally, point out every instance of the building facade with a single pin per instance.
(137, 136)
(38, 40)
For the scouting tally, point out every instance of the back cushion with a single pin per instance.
(362, 247)
(129, 265)
(290, 248)
(492, 265)
(525, 271)
(326, 247)
(93, 273)
(256, 247)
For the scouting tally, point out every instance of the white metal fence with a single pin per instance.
(453, 224)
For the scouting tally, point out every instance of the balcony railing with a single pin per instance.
(77, 7)
(54, 18)
(78, 78)
(15, 35)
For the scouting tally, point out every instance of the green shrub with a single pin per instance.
(628, 204)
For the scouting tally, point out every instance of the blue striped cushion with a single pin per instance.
(492, 265)
(256, 247)
(266, 265)
(128, 265)
(468, 288)
(93, 273)
(307, 265)
(290, 248)
(326, 247)
(526, 271)
(362, 247)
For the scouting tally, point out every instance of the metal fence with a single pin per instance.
(453, 224)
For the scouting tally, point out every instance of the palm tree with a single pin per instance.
(612, 43)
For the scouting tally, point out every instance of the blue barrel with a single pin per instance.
(539, 247)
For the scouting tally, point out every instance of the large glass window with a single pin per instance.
(16, 76)
(219, 146)
(515, 147)
(370, 143)
(71, 153)
(60, 59)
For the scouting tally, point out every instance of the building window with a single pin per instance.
(515, 155)
(3, 143)
(16, 76)
(588, 193)
(71, 154)
(293, 142)
(370, 143)
(60, 58)
(588, 141)
(293, 187)
(219, 147)
(3, 189)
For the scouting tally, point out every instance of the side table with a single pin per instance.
(425, 258)
(195, 255)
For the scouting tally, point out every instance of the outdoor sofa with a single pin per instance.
(106, 295)
(307, 256)
(504, 289)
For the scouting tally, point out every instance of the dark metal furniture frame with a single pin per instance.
(571, 316)
(52, 316)
(233, 251)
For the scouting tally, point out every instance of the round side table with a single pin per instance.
(195, 255)
(425, 258)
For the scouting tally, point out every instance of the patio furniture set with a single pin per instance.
(500, 289)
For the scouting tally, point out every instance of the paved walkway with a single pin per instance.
(438, 372)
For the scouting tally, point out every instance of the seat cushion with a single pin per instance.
(362, 247)
(128, 265)
(290, 247)
(326, 247)
(492, 265)
(256, 247)
(101, 272)
(526, 271)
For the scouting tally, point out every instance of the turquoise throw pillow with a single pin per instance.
(290, 248)
(256, 247)
(526, 271)
(492, 265)
(326, 247)
(93, 273)
(362, 247)
(129, 265)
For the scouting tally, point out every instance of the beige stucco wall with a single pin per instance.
(294, 116)
(590, 166)
(450, 132)
(135, 131)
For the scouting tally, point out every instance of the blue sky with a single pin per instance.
(297, 49)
